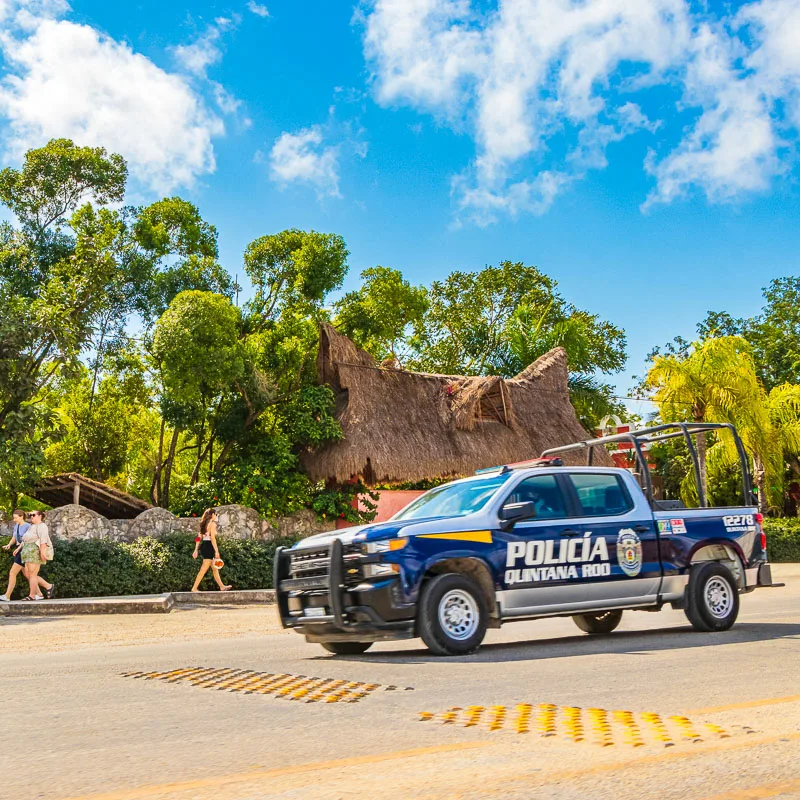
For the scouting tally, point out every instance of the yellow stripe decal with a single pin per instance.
(485, 537)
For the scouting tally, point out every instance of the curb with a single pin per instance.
(140, 604)
(135, 604)
(242, 597)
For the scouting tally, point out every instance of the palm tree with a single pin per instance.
(717, 382)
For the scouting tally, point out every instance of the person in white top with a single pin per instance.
(20, 529)
(34, 552)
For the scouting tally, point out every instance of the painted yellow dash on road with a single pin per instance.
(767, 701)
(278, 772)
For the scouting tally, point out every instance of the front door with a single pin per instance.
(625, 569)
(538, 575)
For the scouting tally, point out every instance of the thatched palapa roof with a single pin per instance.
(410, 426)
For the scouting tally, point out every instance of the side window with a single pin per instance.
(601, 495)
(544, 493)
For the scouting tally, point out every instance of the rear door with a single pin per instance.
(538, 577)
(623, 567)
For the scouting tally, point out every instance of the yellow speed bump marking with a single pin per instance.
(601, 726)
(282, 685)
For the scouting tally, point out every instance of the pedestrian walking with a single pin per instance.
(20, 528)
(36, 549)
(206, 546)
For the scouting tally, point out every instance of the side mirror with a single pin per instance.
(515, 512)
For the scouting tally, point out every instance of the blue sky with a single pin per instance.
(642, 152)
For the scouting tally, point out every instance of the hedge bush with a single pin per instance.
(783, 539)
(100, 568)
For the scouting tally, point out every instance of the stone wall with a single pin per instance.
(239, 522)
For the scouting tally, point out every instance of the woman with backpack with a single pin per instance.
(36, 549)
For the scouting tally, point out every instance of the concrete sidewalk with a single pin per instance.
(133, 604)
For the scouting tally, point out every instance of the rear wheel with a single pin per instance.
(712, 598)
(452, 615)
(604, 622)
(347, 648)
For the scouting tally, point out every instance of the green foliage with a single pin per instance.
(99, 567)
(501, 319)
(380, 316)
(293, 270)
(196, 344)
(783, 539)
(338, 503)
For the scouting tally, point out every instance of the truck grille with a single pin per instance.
(309, 569)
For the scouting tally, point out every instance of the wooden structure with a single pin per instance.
(60, 490)
(410, 426)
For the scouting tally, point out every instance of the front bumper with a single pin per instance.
(329, 609)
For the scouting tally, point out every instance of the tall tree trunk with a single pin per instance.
(96, 368)
(155, 487)
(168, 468)
(760, 475)
(200, 458)
(702, 449)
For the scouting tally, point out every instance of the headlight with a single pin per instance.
(385, 546)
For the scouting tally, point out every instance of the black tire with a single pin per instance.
(602, 622)
(712, 598)
(460, 633)
(347, 648)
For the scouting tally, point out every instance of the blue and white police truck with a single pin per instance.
(525, 541)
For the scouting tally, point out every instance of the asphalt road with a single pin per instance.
(538, 712)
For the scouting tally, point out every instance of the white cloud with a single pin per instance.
(258, 9)
(302, 157)
(63, 79)
(205, 51)
(732, 147)
(518, 76)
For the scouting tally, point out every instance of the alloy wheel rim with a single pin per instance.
(719, 597)
(458, 614)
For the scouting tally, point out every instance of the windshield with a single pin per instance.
(454, 499)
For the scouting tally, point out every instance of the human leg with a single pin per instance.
(200, 575)
(32, 575)
(12, 579)
(222, 586)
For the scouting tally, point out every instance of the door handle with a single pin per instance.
(641, 528)
(570, 532)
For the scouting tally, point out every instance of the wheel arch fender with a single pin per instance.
(475, 568)
(723, 551)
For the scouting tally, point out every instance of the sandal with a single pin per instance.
(32, 599)
(50, 592)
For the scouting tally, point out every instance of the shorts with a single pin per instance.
(31, 553)
(207, 549)
(18, 559)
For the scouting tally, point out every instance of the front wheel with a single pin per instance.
(347, 648)
(604, 622)
(452, 615)
(712, 598)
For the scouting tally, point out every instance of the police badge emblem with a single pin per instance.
(629, 552)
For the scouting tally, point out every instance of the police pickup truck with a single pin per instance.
(526, 541)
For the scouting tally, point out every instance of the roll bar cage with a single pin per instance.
(661, 433)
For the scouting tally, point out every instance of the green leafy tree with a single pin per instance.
(383, 313)
(717, 382)
(499, 320)
(200, 360)
(293, 270)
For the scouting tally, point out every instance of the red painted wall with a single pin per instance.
(392, 501)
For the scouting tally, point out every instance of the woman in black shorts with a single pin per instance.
(207, 548)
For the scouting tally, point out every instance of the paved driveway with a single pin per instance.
(220, 703)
